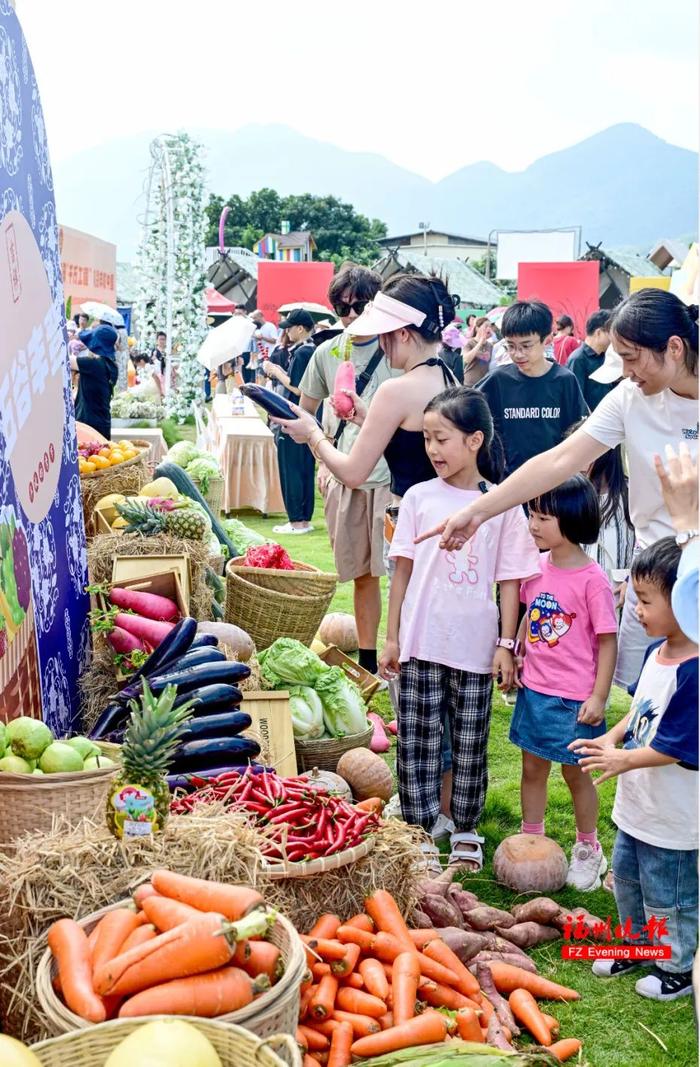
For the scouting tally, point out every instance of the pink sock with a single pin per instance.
(532, 827)
(590, 839)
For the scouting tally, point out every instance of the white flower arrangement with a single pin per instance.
(124, 406)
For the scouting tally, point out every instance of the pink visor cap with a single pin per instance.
(384, 315)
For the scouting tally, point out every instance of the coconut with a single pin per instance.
(28, 737)
(530, 862)
(60, 758)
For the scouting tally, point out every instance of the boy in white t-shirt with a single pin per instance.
(656, 803)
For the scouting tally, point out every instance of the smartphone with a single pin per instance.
(272, 403)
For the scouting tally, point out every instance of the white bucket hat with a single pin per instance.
(610, 370)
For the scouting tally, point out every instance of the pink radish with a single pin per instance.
(380, 742)
(393, 727)
(150, 605)
(148, 630)
(344, 379)
(124, 642)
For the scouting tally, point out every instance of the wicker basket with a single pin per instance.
(274, 1012)
(267, 614)
(214, 495)
(29, 802)
(236, 1047)
(285, 869)
(304, 580)
(326, 751)
(143, 448)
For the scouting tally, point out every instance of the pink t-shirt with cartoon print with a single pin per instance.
(565, 612)
(449, 613)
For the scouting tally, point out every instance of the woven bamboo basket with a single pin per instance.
(29, 802)
(235, 1046)
(326, 751)
(285, 869)
(304, 580)
(214, 495)
(126, 478)
(143, 447)
(267, 614)
(273, 1012)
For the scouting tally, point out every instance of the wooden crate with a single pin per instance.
(272, 728)
(127, 567)
(367, 683)
(162, 583)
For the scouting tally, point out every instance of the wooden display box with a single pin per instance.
(127, 567)
(101, 523)
(272, 729)
(366, 682)
(163, 583)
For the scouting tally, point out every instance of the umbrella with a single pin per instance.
(103, 312)
(316, 311)
(225, 342)
(496, 314)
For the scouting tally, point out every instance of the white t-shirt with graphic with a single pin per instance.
(659, 805)
(645, 424)
(449, 613)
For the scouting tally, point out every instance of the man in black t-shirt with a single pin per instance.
(533, 401)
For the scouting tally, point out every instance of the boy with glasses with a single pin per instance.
(532, 400)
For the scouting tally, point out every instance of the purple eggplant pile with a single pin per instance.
(213, 741)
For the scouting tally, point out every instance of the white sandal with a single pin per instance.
(432, 858)
(461, 857)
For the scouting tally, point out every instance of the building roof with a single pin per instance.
(627, 259)
(667, 250)
(460, 277)
(389, 241)
(295, 239)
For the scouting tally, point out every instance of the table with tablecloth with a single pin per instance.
(153, 435)
(248, 455)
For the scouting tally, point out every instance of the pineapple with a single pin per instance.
(139, 800)
(178, 520)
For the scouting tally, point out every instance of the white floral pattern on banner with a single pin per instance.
(69, 634)
(41, 147)
(85, 647)
(9, 201)
(42, 550)
(25, 62)
(70, 439)
(56, 698)
(76, 547)
(48, 243)
(10, 106)
(30, 200)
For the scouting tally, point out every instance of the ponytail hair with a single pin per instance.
(650, 317)
(468, 411)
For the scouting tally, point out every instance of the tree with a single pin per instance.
(340, 232)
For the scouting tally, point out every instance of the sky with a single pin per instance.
(432, 86)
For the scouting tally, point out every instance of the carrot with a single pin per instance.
(323, 1000)
(387, 947)
(166, 913)
(374, 978)
(349, 961)
(360, 1003)
(327, 948)
(362, 922)
(325, 926)
(92, 939)
(114, 928)
(139, 895)
(315, 1042)
(341, 1043)
(552, 1023)
(353, 980)
(388, 970)
(327, 1027)
(441, 953)
(386, 915)
(423, 1030)
(305, 1001)
(231, 901)
(302, 1043)
(525, 1009)
(423, 937)
(362, 1025)
(306, 981)
(69, 945)
(192, 948)
(310, 1061)
(437, 972)
(405, 978)
(139, 936)
(319, 970)
(387, 1021)
(487, 1009)
(442, 996)
(263, 958)
(352, 935)
(468, 1025)
(204, 995)
(565, 1048)
(507, 978)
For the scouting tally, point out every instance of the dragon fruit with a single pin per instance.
(23, 574)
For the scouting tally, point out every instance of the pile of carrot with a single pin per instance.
(374, 987)
(187, 946)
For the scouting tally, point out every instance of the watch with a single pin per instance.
(683, 538)
(510, 644)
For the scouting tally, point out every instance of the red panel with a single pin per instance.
(567, 288)
(280, 283)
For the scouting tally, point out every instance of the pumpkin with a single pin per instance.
(240, 643)
(328, 782)
(339, 629)
(86, 435)
(527, 862)
(366, 774)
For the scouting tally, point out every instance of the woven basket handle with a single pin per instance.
(283, 1041)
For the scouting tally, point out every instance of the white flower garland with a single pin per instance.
(180, 187)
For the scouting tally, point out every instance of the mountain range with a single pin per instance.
(623, 186)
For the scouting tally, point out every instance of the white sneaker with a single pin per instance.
(664, 985)
(392, 809)
(616, 968)
(587, 867)
(285, 528)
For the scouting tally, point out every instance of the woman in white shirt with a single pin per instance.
(656, 335)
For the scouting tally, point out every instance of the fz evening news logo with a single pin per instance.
(602, 930)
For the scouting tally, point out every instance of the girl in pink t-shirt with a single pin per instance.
(443, 627)
(569, 636)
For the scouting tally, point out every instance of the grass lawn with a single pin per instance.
(616, 1025)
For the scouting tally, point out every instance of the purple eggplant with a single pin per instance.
(203, 641)
(272, 403)
(207, 752)
(225, 724)
(210, 698)
(189, 781)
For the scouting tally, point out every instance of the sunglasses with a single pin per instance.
(342, 309)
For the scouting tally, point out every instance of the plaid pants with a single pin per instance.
(427, 693)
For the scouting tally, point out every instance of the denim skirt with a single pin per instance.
(545, 725)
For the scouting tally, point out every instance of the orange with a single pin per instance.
(104, 451)
(130, 453)
(101, 462)
(116, 458)
(88, 467)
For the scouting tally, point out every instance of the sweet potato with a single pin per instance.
(571, 917)
(441, 912)
(539, 910)
(431, 887)
(485, 918)
(464, 900)
(495, 1035)
(464, 943)
(500, 1004)
(528, 934)
(502, 957)
(494, 943)
(419, 920)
